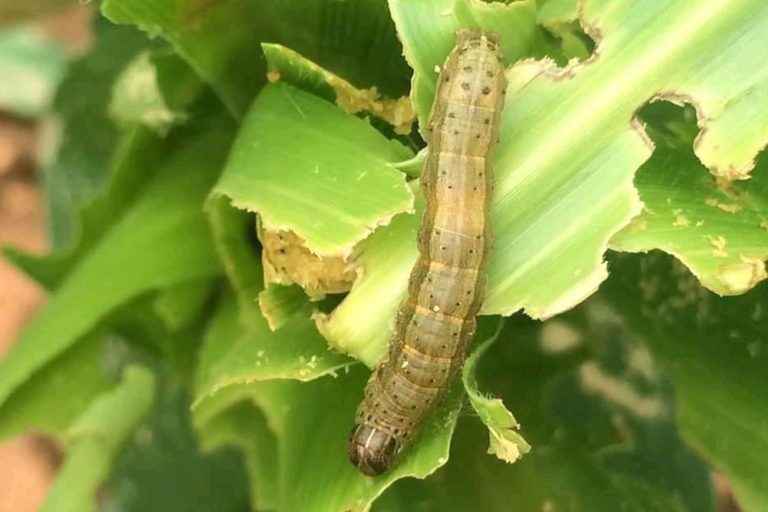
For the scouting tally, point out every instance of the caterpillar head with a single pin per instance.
(372, 450)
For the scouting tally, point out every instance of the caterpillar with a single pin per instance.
(445, 289)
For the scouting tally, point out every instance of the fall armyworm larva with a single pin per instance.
(445, 290)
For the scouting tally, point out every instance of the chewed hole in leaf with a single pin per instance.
(568, 41)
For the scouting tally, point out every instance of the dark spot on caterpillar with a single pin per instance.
(467, 68)
(486, 90)
(486, 121)
(489, 74)
(451, 115)
(455, 132)
(446, 78)
(477, 136)
(465, 86)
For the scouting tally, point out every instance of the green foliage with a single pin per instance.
(190, 126)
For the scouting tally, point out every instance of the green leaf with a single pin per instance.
(361, 324)
(427, 32)
(718, 229)
(559, 477)
(291, 186)
(312, 421)
(31, 67)
(288, 66)
(161, 241)
(233, 356)
(58, 392)
(138, 100)
(95, 438)
(181, 304)
(569, 150)
(505, 442)
(714, 351)
(280, 304)
(132, 165)
(220, 41)
(245, 427)
(80, 170)
(163, 467)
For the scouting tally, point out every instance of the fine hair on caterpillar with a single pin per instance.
(437, 319)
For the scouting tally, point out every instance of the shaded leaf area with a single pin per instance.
(220, 40)
(163, 468)
(184, 303)
(58, 392)
(717, 228)
(332, 189)
(95, 438)
(161, 241)
(80, 170)
(598, 413)
(310, 423)
(244, 426)
(558, 477)
(505, 442)
(568, 149)
(31, 67)
(714, 352)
